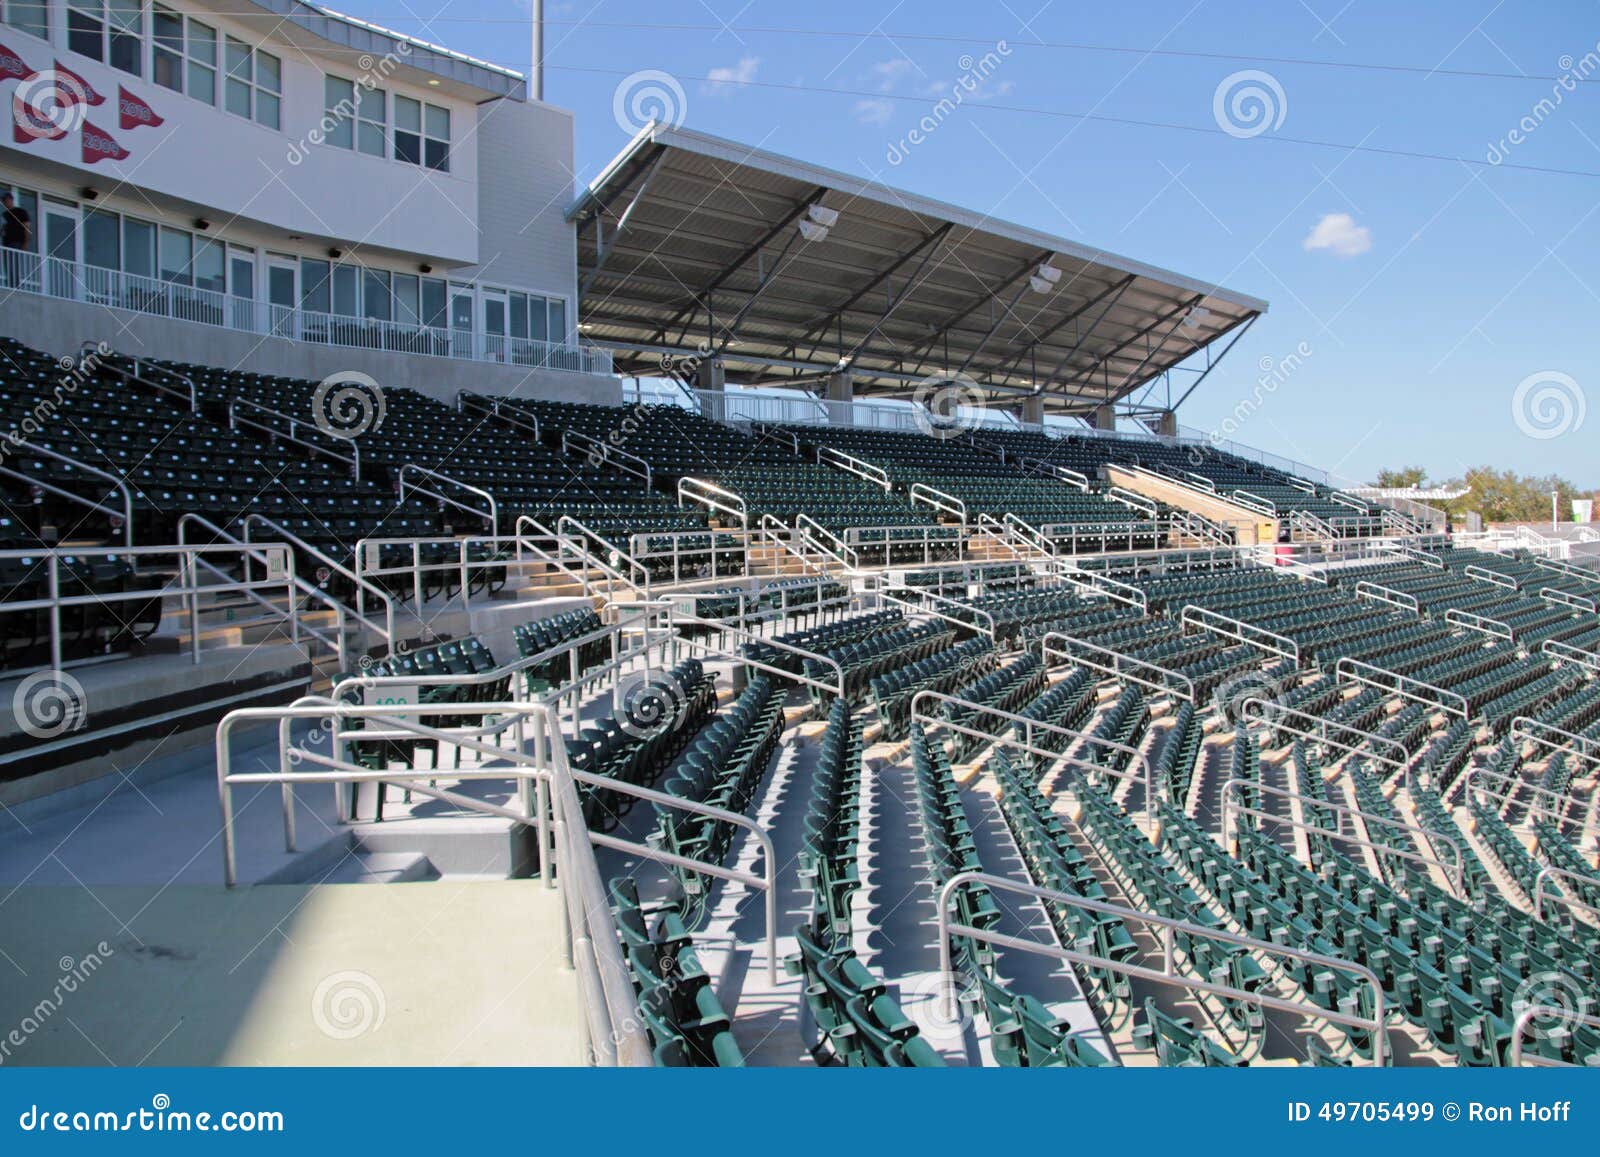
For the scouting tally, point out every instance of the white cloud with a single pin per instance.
(724, 81)
(874, 112)
(888, 73)
(1339, 234)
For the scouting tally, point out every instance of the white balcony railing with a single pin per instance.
(53, 277)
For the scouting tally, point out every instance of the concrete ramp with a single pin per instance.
(446, 973)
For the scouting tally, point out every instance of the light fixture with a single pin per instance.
(433, 82)
(818, 220)
(424, 268)
(336, 253)
(1195, 317)
(90, 193)
(1044, 278)
(202, 224)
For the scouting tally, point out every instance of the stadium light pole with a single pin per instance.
(1555, 498)
(538, 49)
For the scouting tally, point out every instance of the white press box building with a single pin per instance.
(277, 188)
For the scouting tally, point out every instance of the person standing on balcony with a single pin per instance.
(14, 234)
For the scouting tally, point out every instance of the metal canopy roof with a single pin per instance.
(691, 245)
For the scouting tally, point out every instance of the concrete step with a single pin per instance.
(367, 867)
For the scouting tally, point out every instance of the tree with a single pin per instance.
(1401, 478)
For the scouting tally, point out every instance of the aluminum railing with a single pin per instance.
(75, 281)
(490, 511)
(1168, 974)
(937, 499)
(713, 497)
(351, 459)
(1567, 1018)
(1125, 667)
(124, 517)
(178, 385)
(1428, 694)
(596, 449)
(850, 464)
(1240, 631)
(1525, 728)
(364, 589)
(502, 409)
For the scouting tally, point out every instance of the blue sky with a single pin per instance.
(1426, 290)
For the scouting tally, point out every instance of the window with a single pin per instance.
(377, 302)
(558, 321)
(31, 16)
(138, 247)
(166, 48)
(433, 303)
(372, 125)
(421, 134)
(202, 42)
(407, 304)
(338, 103)
(344, 290)
(314, 288)
(254, 86)
(210, 271)
(177, 256)
(102, 239)
(108, 30)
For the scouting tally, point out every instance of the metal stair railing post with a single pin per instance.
(632, 573)
(491, 512)
(118, 485)
(1525, 728)
(624, 461)
(713, 497)
(108, 359)
(1232, 807)
(1356, 671)
(1166, 681)
(1271, 716)
(1240, 631)
(1376, 1024)
(496, 407)
(1567, 1017)
(353, 460)
(1513, 786)
(385, 630)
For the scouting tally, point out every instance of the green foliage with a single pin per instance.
(1405, 476)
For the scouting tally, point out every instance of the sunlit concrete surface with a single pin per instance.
(444, 973)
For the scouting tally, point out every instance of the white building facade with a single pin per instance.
(279, 188)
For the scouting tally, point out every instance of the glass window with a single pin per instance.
(138, 247)
(86, 29)
(407, 130)
(166, 48)
(372, 107)
(236, 56)
(209, 269)
(202, 45)
(126, 32)
(558, 320)
(32, 16)
(407, 306)
(376, 301)
(177, 255)
(538, 322)
(269, 89)
(433, 303)
(339, 104)
(344, 290)
(314, 288)
(436, 148)
(519, 315)
(102, 239)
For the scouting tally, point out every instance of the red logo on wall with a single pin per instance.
(133, 112)
(99, 145)
(11, 65)
(28, 124)
(79, 88)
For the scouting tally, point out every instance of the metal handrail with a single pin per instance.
(1527, 1016)
(1485, 575)
(885, 594)
(713, 497)
(1559, 650)
(1232, 808)
(1572, 602)
(860, 467)
(1270, 714)
(1351, 669)
(117, 484)
(1074, 478)
(353, 460)
(1376, 1024)
(1106, 585)
(938, 499)
(1252, 501)
(624, 461)
(634, 566)
(517, 416)
(1560, 566)
(1001, 534)
(108, 359)
(1545, 874)
(1025, 532)
(775, 531)
(1486, 626)
(363, 587)
(1477, 773)
(1240, 631)
(258, 552)
(1425, 558)
(1120, 662)
(841, 552)
(1030, 726)
(1133, 500)
(1525, 727)
(1380, 593)
(492, 513)
(721, 652)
